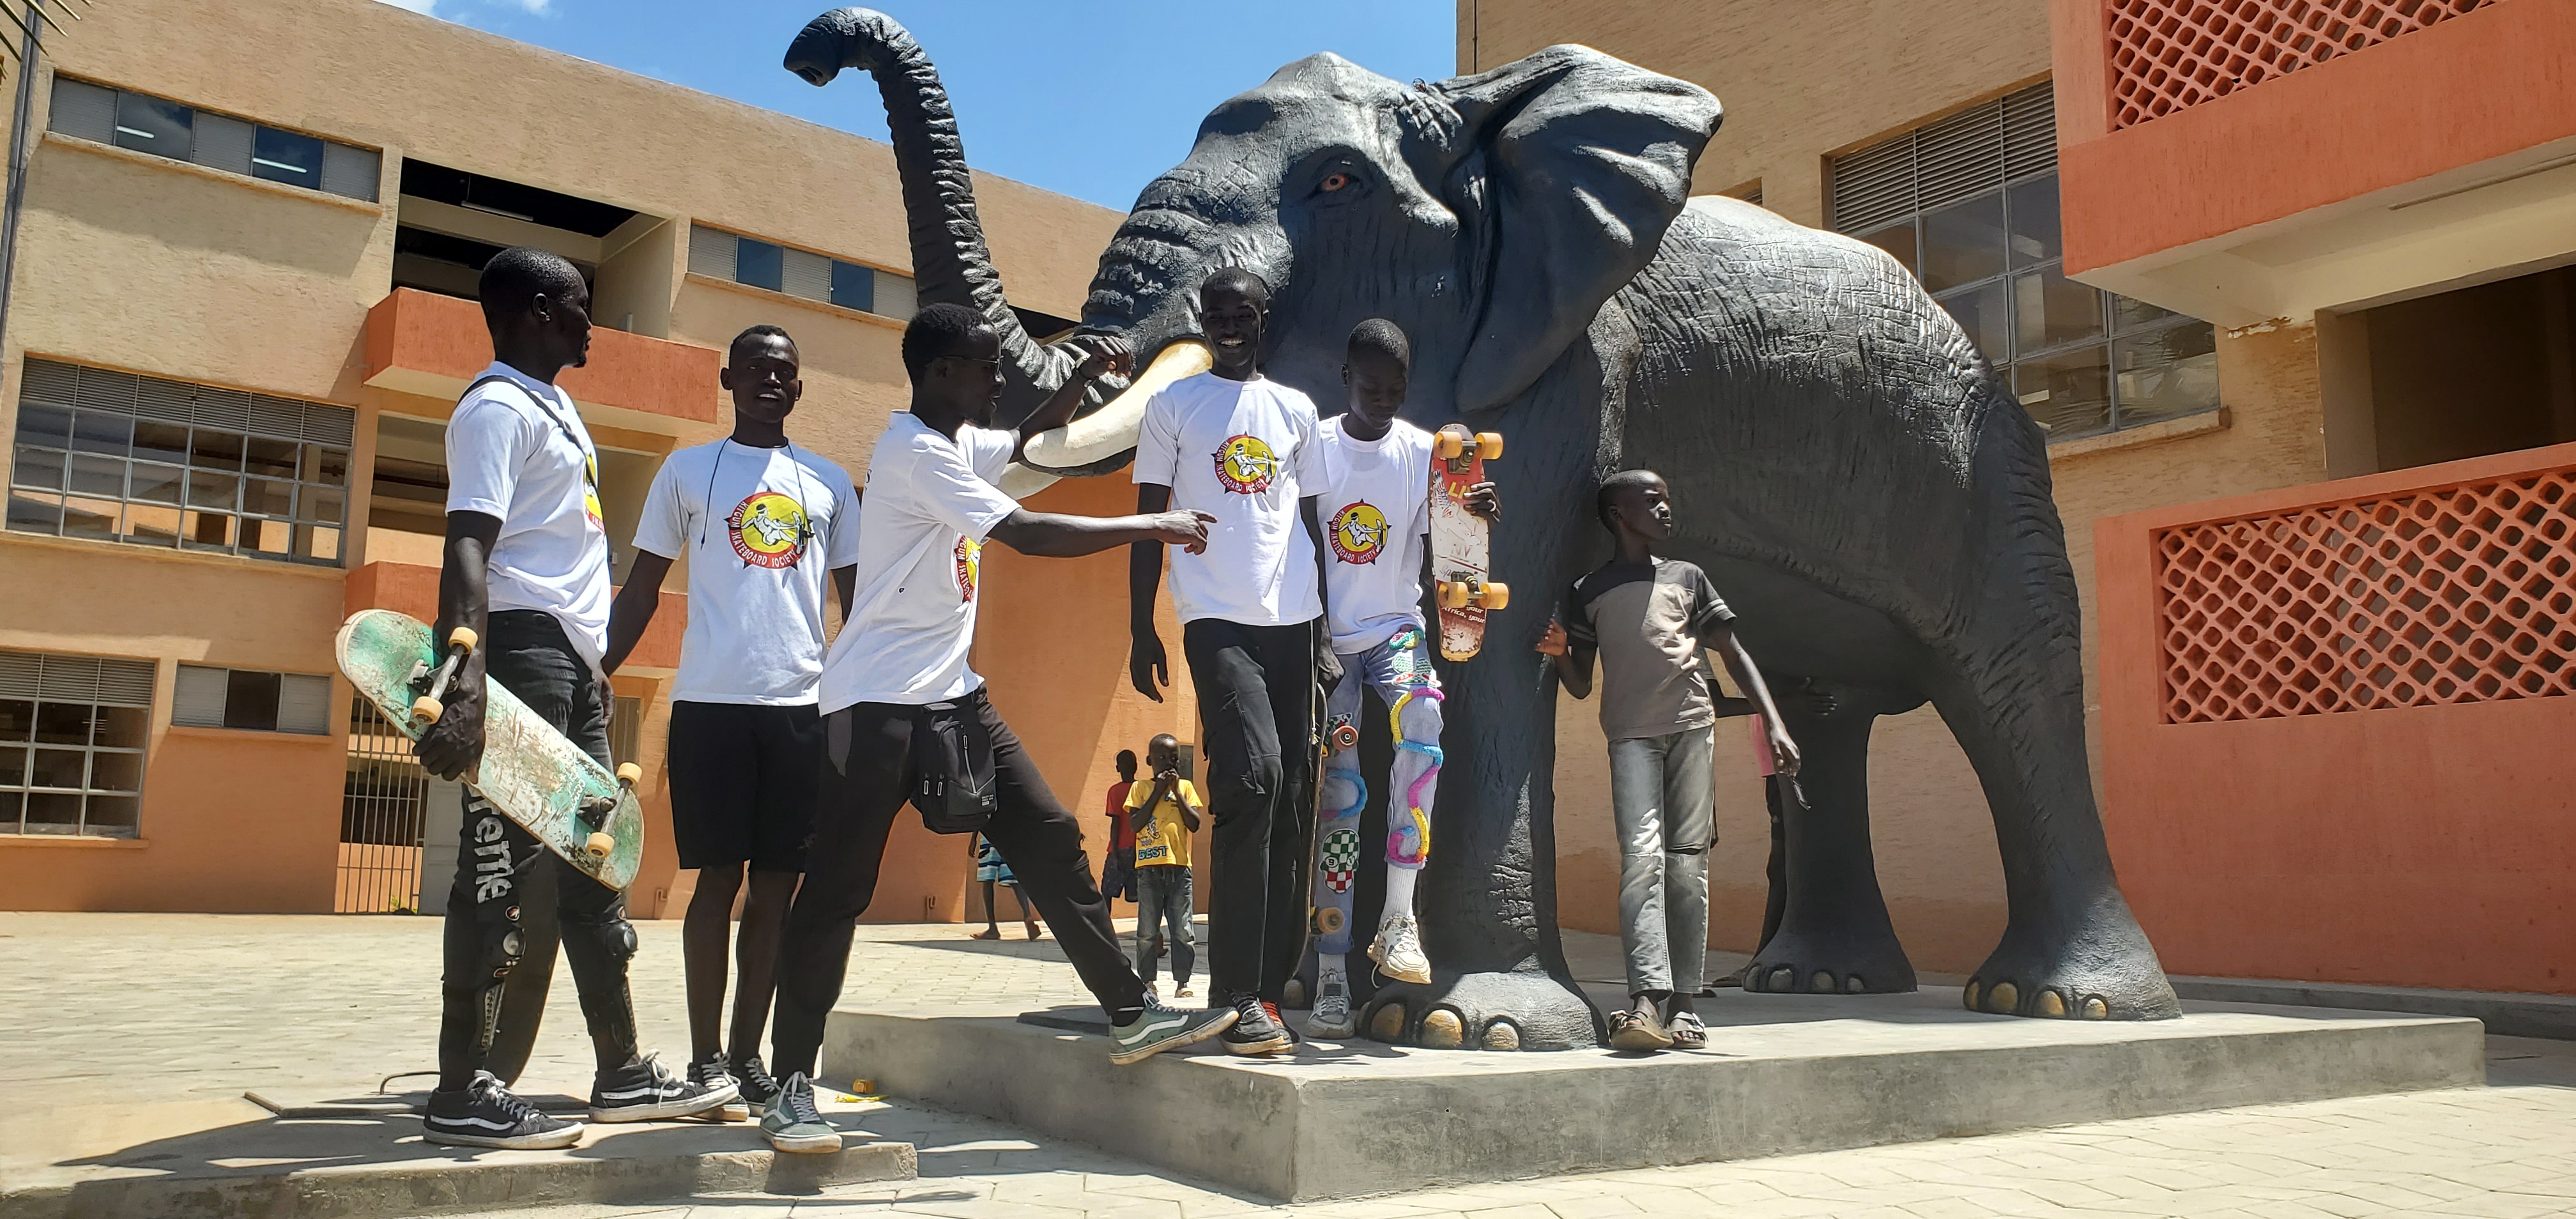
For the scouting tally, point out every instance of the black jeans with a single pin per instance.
(496, 863)
(867, 776)
(1256, 690)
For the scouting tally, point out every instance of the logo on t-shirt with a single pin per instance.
(590, 490)
(970, 567)
(1245, 464)
(768, 530)
(1359, 533)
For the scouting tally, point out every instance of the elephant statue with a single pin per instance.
(1850, 472)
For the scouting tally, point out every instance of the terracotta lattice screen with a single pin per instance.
(2462, 594)
(2167, 55)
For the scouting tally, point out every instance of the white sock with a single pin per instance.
(1399, 893)
(1331, 966)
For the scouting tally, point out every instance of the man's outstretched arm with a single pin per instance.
(1053, 535)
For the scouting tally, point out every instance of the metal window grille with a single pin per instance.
(2458, 594)
(217, 141)
(118, 457)
(1969, 205)
(72, 736)
(803, 274)
(2169, 55)
(383, 818)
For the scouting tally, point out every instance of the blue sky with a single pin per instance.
(1089, 99)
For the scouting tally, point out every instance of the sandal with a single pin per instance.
(1631, 1033)
(1688, 1033)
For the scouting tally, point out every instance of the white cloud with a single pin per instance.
(424, 7)
(536, 8)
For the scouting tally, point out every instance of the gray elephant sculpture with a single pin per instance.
(1851, 473)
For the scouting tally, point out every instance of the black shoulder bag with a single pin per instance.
(952, 758)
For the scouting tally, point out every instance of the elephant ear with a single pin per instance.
(1584, 162)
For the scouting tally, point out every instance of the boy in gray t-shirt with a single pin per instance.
(1648, 619)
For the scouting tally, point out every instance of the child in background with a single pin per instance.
(1163, 815)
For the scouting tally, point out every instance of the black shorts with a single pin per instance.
(744, 783)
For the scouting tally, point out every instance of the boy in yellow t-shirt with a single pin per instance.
(1165, 813)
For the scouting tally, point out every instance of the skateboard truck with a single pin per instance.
(595, 811)
(1483, 594)
(427, 708)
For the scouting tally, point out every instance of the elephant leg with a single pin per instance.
(2071, 948)
(1834, 936)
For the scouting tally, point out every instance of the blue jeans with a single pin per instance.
(1400, 671)
(1662, 799)
(1163, 903)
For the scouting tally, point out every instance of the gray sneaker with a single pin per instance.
(1331, 1020)
(792, 1123)
(1159, 1028)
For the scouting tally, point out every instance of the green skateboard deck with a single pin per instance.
(532, 773)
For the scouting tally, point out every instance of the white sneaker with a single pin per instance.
(1398, 950)
(1331, 1020)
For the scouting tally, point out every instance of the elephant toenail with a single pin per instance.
(1442, 1030)
(1501, 1035)
(2004, 999)
(1968, 994)
(2095, 1008)
(1388, 1023)
(1853, 985)
(1822, 983)
(1782, 979)
(2051, 1003)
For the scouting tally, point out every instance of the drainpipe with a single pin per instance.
(34, 30)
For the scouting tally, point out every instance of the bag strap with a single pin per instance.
(532, 396)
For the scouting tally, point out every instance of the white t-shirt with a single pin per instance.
(930, 502)
(762, 528)
(507, 458)
(1243, 452)
(1375, 517)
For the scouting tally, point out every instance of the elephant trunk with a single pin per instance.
(950, 262)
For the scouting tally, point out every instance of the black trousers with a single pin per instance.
(1256, 690)
(498, 868)
(867, 777)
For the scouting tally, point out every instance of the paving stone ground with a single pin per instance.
(173, 1009)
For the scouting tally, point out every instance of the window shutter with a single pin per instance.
(894, 296)
(712, 252)
(1874, 185)
(806, 275)
(351, 172)
(21, 674)
(199, 699)
(125, 683)
(2030, 132)
(304, 704)
(1958, 158)
(223, 143)
(85, 110)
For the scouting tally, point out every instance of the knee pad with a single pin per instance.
(503, 944)
(615, 937)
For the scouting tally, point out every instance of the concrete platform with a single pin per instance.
(363, 1156)
(1786, 1074)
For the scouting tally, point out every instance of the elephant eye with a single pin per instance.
(1336, 182)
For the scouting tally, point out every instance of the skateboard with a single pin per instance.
(532, 773)
(1459, 541)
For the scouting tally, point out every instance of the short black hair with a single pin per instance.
(1126, 759)
(1236, 279)
(938, 330)
(1161, 737)
(515, 276)
(761, 331)
(1612, 486)
(1380, 337)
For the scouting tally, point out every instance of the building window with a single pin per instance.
(1969, 205)
(72, 730)
(117, 457)
(764, 264)
(251, 700)
(166, 128)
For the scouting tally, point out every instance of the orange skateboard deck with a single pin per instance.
(1460, 541)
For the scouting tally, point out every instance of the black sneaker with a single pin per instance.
(754, 1081)
(1254, 1034)
(713, 1072)
(644, 1091)
(485, 1114)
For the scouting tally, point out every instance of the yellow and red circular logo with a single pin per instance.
(768, 530)
(1359, 533)
(1245, 465)
(970, 568)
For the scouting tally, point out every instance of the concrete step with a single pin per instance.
(365, 1158)
(1786, 1074)
(2505, 1014)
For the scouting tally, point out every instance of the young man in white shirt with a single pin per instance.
(527, 570)
(1377, 515)
(761, 522)
(902, 660)
(1242, 448)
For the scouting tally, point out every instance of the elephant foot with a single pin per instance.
(1488, 1011)
(1839, 961)
(2093, 964)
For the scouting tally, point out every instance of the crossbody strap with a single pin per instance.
(532, 396)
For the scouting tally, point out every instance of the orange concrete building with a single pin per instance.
(2224, 254)
(239, 319)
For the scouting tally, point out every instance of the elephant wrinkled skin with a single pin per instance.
(1853, 476)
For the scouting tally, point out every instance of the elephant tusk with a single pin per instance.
(1084, 445)
(1021, 482)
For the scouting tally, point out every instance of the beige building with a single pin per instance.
(239, 320)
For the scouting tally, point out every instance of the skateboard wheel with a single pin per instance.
(600, 845)
(1494, 595)
(1345, 736)
(1327, 920)
(463, 637)
(1452, 594)
(629, 773)
(426, 710)
(1489, 445)
(1449, 444)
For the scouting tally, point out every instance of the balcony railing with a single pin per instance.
(434, 346)
(2169, 55)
